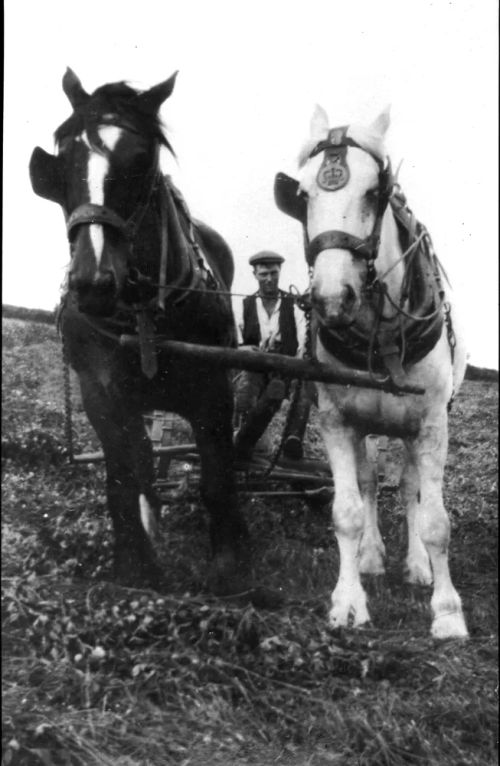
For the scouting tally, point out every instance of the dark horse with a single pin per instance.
(139, 265)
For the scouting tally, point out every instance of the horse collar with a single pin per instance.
(403, 340)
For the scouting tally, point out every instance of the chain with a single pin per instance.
(452, 342)
(134, 281)
(68, 427)
(286, 428)
(450, 333)
(306, 306)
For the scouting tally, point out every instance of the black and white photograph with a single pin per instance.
(250, 383)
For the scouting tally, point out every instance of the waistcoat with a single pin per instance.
(287, 326)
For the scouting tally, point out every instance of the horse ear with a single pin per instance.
(47, 175)
(151, 100)
(319, 123)
(381, 124)
(74, 89)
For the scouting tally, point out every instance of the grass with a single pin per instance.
(97, 674)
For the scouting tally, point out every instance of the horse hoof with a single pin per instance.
(450, 625)
(227, 575)
(138, 574)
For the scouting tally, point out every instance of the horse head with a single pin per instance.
(345, 182)
(103, 175)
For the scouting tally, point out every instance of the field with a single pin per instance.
(98, 675)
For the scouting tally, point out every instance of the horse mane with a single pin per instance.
(117, 99)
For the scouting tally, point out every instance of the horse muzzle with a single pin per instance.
(95, 296)
(335, 310)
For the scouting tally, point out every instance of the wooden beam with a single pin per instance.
(178, 450)
(288, 366)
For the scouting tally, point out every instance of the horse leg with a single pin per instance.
(143, 460)
(372, 549)
(267, 402)
(432, 524)
(129, 472)
(348, 597)
(211, 419)
(417, 567)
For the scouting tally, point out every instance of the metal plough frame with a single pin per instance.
(308, 478)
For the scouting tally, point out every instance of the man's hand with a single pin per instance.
(249, 348)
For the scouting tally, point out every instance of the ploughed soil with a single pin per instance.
(95, 674)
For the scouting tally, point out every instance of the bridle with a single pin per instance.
(335, 148)
(150, 294)
(89, 212)
(405, 337)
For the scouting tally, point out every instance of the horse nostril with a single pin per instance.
(348, 297)
(104, 280)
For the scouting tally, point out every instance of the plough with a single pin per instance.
(311, 479)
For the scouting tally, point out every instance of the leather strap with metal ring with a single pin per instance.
(338, 137)
(341, 240)
(89, 213)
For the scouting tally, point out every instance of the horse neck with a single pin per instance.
(161, 235)
(389, 264)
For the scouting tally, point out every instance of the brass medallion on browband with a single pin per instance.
(334, 172)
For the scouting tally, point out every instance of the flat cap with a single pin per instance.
(265, 256)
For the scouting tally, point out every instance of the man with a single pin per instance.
(271, 322)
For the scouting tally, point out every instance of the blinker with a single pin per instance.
(289, 198)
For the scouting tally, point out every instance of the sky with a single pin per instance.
(249, 77)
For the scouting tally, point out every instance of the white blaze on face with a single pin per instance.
(97, 170)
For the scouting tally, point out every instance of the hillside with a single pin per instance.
(94, 674)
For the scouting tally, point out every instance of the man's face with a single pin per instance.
(268, 277)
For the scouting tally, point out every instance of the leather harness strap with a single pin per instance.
(181, 239)
(338, 239)
(338, 141)
(406, 338)
(89, 213)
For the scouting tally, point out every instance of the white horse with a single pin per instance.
(380, 300)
